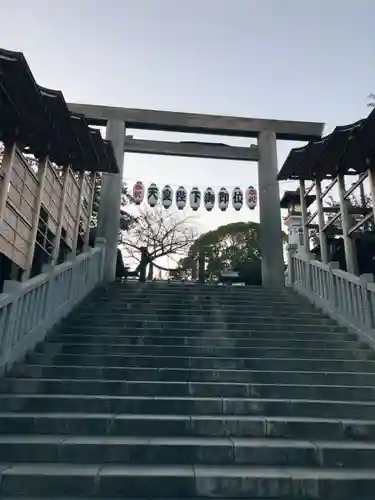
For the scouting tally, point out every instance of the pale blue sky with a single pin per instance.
(285, 59)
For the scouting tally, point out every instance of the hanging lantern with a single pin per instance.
(181, 197)
(138, 192)
(195, 198)
(223, 199)
(167, 196)
(237, 198)
(251, 197)
(209, 199)
(153, 195)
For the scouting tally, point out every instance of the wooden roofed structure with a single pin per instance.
(48, 166)
(39, 121)
(348, 151)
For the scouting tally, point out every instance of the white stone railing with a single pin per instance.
(345, 297)
(29, 310)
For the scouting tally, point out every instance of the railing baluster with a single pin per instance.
(340, 293)
(28, 310)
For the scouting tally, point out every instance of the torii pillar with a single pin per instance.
(110, 199)
(271, 236)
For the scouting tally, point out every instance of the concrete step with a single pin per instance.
(204, 362)
(336, 333)
(196, 290)
(122, 307)
(211, 351)
(202, 294)
(173, 481)
(215, 315)
(132, 320)
(127, 450)
(220, 342)
(69, 403)
(207, 312)
(193, 375)
(183, 326)
(196, 301)
(153, 425)
(185, 389)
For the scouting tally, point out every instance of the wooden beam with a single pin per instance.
(352, 188)
(328, 188)
(330, 222)
(361, 222)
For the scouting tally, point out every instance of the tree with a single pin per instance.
(371, 98)
(163, 233)
(233, 246)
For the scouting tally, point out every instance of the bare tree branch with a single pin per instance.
(163, 233)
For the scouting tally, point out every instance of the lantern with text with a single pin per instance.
(181, 197)
(209, 199)
(223, 199)
(195, 198)
(237, 198)
(251, 197)
(167, 196)
(138, 192)
(153, 195)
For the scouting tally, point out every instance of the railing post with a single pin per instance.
(308, 277)
(48, 269)
(101, 243)
(332, 290)
(367, 306)
(292, 249)
(13, 288)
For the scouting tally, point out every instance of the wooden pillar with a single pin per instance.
(350, 256)
(56, 249)
(91, 204)
(306, 242)
(42, 167)
(322, 235)
(78, 213)
(6, 169)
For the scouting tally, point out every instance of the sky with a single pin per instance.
(278, 59)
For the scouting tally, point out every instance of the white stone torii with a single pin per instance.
(267, 132)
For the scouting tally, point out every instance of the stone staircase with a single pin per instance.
(185, 391)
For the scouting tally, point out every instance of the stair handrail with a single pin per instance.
(28, 310)
(347, 298)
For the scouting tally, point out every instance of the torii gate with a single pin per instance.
(116, 120)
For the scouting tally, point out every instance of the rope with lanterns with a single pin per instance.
(195, 197)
